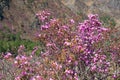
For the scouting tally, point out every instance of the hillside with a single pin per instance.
(21, 13)
(59, 40)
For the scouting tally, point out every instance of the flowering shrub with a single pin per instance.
(75, 47)
(72, 52)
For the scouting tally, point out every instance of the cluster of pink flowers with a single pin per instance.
(37, 77)
(22, 61)
(8, 55)
(100, 64)
(43, 15)
(90, 32)
(79, 42)
(69, 54)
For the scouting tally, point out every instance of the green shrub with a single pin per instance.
(30, 1)
(10, 42)
(12, 46)
(108, 21)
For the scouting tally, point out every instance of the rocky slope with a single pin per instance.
(21, 14)
(101, 7)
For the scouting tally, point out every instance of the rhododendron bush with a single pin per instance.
(73, 51)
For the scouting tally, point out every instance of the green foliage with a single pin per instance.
(119, 79)
(108, 21)
(12, 46)
(30, 1)
(10, 43)
(81, 15)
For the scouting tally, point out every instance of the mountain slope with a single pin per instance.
(21, 14)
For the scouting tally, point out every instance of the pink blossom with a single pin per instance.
(17, 78)
(37, 77)
(67, 43)
(15, 62)
(35, 49)
(8, 55)
(49, 44)
(93, 68)
(104, 29)
(44, 27)
(21, 49)
(68, 71)
(65, 27)
(95, 59)
(51, 79)
(114, 76)
(91, 16)
(72, 21)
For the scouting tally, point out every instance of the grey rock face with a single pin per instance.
(114, 4)
(109, 7)
(23, 13)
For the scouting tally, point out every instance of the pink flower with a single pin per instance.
(8, 55)
(15, 62)
(37, 77)
(49, 44)
(67, 43)
(68, 71)
(104, 29)
(33, 78)
(44, 27)
(95, 59)
(21, 49)
(93, 68)
(17, 78)
(43, 15)
(35, 49)
(65, 27)
(114, 76)
(72, 21)
(51, 79)
(91, 16)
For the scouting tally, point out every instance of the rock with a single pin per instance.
(101, 7)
